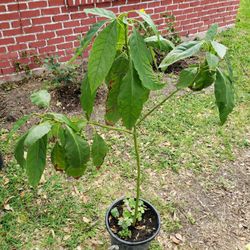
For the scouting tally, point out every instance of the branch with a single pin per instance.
(109, 127)
(156, 107)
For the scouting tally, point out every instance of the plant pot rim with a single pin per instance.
(131, 243)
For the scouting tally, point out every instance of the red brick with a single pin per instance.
(12, 32)
(65, 45)
(4, 25)
(47, 49)
(41, 20)
(46, 35)
(37, 44)
(58, 18)
(20, 23)
(3, 50)
(64, 32)
(33, 29)
(30, 13)
(71, 38)
(27, 38)
(17, 47)
(71, 24)
(51, 11)
(4, 64)
(9, 16)
(2, 8)
(56, 2)
(6, 41)
(39, 4)
(8, 71)
(17, 6)
(55, 26)
(55, 41)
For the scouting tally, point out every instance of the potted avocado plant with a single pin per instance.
(122, 58)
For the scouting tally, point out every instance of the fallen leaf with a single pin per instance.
(8, 207)
(86, 220)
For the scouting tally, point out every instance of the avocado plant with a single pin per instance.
(122, 58)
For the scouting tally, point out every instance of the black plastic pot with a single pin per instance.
(120, 244)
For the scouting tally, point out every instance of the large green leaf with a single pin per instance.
(58, 157)
(19, 151)
(102, 56)
(187, 77)
(211, 33)
(180, 52)
(99, 150)
(212, 60)
(224, 94)
(219, 48)
(41, 98)
(36, 160)
(204, 78)
(131, 98)
(77, 153)
(18, 124)
(159, 42)
(140, 56)
(87, 97)
(37, 133)
(85, 41)
(113, 80)
(148, 20)
(100, 12)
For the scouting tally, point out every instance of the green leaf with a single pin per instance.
(113, 80)
(115, 213)
(187, 77)
(77, 153)
(36, 160)
(140, 56)
(224, 95)
(101, 12)
(86, 40)
(131, 98)
(120, 35)
(160, 43)
(219, 48)
(19, 151)
(180, 52)
(57, 131)
(204, 78)
(58, 157)
(87, 97)
(62, 119)
(41, 98)
(212, 32)
(148, 20)
(212, 61)
(37, 133)
(17, 125)
(99, 150)
(102, 56)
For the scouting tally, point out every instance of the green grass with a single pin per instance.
(185, 133)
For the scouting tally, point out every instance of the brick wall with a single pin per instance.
(33, 29)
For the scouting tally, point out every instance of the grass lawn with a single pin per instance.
(184, 135)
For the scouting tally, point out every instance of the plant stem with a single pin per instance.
(109, 127)
(138, 179)
(156, 107)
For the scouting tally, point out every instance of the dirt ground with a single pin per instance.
(218, 203)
